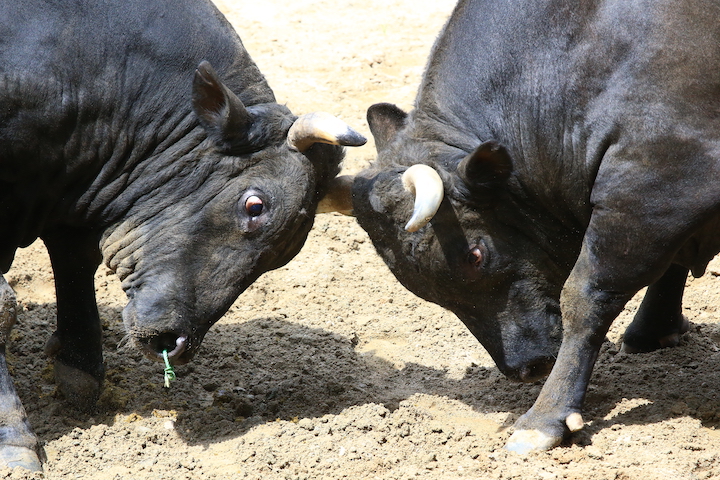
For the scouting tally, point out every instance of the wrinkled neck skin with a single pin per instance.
(181, 250)
(139, 206)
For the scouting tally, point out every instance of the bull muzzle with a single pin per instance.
(155, 329)
(526, 372)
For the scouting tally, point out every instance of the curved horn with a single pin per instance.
(425, 183)
(321, 127)
(339, 196)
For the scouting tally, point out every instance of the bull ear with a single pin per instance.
(219, 110)
(485, 168)
(385, 120)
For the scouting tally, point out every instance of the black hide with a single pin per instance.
(608, 113)
(140, 132)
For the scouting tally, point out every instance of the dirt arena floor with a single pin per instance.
(328, 368)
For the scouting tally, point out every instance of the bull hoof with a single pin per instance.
(526, 441)
(80, 389)
(671, 340)
(12, 457)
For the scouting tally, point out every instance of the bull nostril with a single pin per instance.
(164, 341)
(173, 343)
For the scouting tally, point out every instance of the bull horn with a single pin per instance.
(427, 186)
(321, 127)
(338, 197)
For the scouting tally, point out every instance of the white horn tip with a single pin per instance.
(322, 127)
(425, 183)
(415, 224)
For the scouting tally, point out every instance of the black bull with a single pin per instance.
(562, 155)
(119, 141)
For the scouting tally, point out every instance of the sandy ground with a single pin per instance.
(328, 368)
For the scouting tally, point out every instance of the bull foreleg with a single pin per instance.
(588, 312)
(659, 322)
(18, 445)
(76, 345)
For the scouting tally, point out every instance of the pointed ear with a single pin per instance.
(219, 110)
(485, 168)
(385, 120)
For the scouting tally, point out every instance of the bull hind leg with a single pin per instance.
(659, 321)
(76, 345)
(18, 444)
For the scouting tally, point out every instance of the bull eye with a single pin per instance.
(475, 257)
(254, 206)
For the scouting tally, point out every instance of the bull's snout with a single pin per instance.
(536, 370)
(174, 344)
(157, 325)
(530, 371)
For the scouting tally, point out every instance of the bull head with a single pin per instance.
(460, 246)
(249, 211)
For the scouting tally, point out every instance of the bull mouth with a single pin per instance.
(176, 345)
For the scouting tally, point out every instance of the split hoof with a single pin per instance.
(80, 389)
(24, 457)
(667, 341)
(526, 441)
(671, 340)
